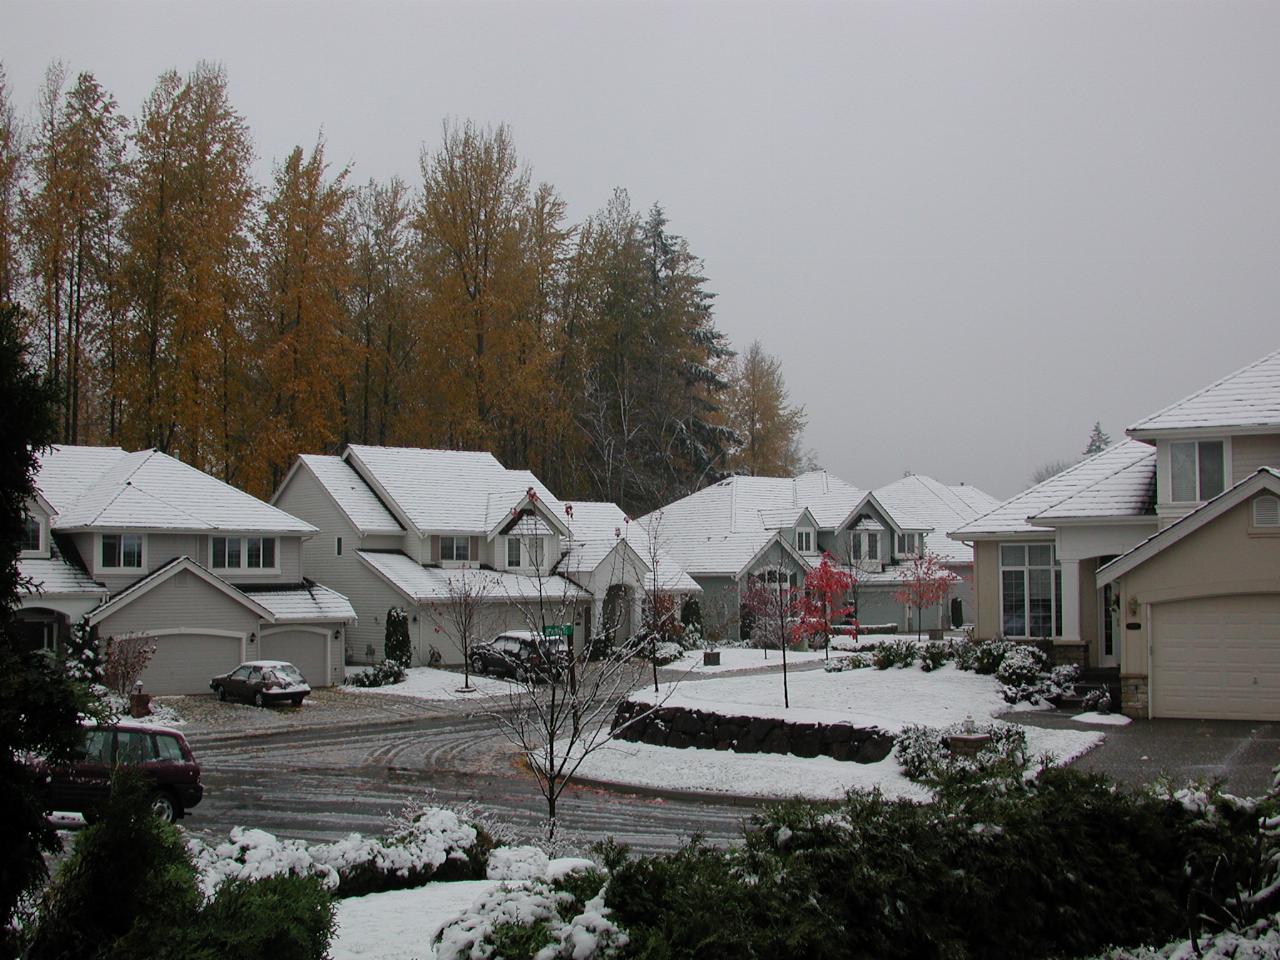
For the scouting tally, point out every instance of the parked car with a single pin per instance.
(83, 784)
(261, 682)
(521, 654)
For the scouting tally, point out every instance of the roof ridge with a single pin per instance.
(1203, 390)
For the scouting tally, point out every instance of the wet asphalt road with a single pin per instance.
(320, 784)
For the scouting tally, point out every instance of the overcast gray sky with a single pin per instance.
(968, 229)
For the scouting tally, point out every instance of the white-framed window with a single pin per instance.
(243, 553)
(513, 551)
(872, 544)
(804, 539)
(455, 548)
(908, 544)
(1266, 512)
(1030, 590)
(1197, 470)
(32, 535)
(121, 551)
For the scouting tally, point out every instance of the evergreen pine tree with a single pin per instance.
(1098, 441)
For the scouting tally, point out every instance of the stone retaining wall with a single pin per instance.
(682, 727)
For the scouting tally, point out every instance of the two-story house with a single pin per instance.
(143, 544)
(1158, 557)
(426, 531)
(772, 527)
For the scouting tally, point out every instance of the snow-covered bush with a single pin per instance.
(382, 675)
(894, 653)
(933, 655)
(1023, 674)
(924, 756)
(854, 661)
(251, 855)
(982, 656)
(533, 920)
(1097, 700)
(517, 863)
(667, 652)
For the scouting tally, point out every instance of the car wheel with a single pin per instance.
(520, 674)
(222, 694)
(297, 701)
(259, 700)
(477, 665)
(164, 807)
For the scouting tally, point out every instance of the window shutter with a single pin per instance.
(1266, 512)
(474, 553)
(435, 549)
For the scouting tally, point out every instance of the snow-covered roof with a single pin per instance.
(56, 576)
(447, 491)
(1129, 492)
(1011, 517)
(303, 603)
(598, 527)
(353, 496)
(1250, 397)
(979, 501)
(437, 584)
(937, 506)
(66, 471)
(149, 490)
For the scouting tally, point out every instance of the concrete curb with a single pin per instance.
(692, 796)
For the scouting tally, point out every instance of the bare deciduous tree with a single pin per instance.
(470, 594)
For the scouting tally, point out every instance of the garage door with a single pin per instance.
(184, 663)
(304, 650)
(1217, 658)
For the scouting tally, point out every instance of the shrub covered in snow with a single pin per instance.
(536, 920)
(854, 661)
(250, 854)
(894, 653)
(517, 863)
(384, 674)
(924, 756)
(666, 652)
(1097, 700)
(934, 654)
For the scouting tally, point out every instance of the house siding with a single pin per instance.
(183, 601)
(1249, 453)
(986, 588)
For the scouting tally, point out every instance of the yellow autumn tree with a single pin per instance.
(759, 410)
(302, 359)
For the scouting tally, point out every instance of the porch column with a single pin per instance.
(1071, 600)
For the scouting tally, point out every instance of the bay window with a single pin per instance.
(1197, 470)
(243, 553)
(1030, 590)
(121, 551)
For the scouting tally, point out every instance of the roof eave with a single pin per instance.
(1152, 434)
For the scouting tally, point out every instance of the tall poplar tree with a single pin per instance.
(186, 242)
(12, 167)
(758, 409)
(301, 356)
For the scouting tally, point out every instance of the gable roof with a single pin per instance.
(432, 584)
(1266, 478)
(938, 506)
(303, 603)
(161, 574)
(449, 491)
(347, 489)
(1011, 517)
(1248, 398)
(149, 490)
(598, 527)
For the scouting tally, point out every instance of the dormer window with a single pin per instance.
(121, 551)
(908, 544)
(455, 548)
(804, 539)
(32, 535)
(1197, 470)
(513, 551)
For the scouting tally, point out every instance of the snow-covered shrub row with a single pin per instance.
(424, 843)
(382, 675)
(924, 756)
(854, 661)
(934, 654)
(1258, 941)
(894, 653)
(534, 920)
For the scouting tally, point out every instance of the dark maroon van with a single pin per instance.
(83, 784)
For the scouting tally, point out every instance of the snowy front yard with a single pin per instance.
(889, 699)
(743, 658)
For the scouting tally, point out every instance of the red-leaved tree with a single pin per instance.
(825, 600)
(925, 582)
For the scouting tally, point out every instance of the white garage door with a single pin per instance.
(303, 649)
(1217, 658)
(185, 662)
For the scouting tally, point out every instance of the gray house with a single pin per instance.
(421, 530)
(774, 527)
(143, 544)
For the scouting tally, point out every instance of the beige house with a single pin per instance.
(1156, 559)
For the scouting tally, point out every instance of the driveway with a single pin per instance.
(1242, 753)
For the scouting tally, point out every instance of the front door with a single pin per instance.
(1108, 629)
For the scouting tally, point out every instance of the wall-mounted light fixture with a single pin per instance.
(253, 638)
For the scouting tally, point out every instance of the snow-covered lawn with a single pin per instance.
(742, 658)
(889, 699)
(402, 924)
(428, 683)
